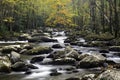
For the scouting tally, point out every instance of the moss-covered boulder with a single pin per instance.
(91, 61)
(115, 48)
(38, 50)
(37, 59)
(8, 49)
(19, 66)
(5, 64)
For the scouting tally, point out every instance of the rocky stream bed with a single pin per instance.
(37, 56)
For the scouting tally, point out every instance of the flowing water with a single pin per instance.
(44, 70)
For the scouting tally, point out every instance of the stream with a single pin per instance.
(44, 70)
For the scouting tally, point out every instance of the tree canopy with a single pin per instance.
(95, 15)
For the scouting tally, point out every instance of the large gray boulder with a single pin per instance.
(109, 75)
(68, 52)
(5, 64)
(91, 61)
(14, 57)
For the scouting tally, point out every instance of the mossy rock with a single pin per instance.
(39, 50)
(5, 64)
(8, 49)
(115, 48)
(109, 75)
(19, 66)
(92, 61)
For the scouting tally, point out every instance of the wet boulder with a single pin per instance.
(68, 52)
(34, 39)
(41, 39)
(115, 48)
(109, 75)
(37, 59)
(8, 49)
(15, 57)
(57, 46)
(92, 61)
(5, 64)
(19, 66)
(38, 51)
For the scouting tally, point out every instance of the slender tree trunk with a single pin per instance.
(116, 22)
(102, 15)
(110, 17)
(93, 15)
